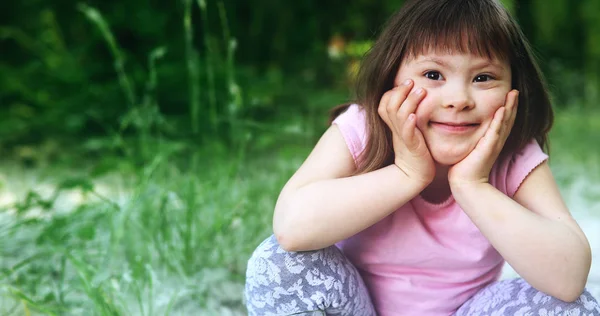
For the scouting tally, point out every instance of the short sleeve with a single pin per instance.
(508, 173)
(352, 125)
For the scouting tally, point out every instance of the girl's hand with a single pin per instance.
(476, 167)
(397, 109)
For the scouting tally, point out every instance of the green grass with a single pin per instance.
(176, 245)
(575, 135)
(165, 228)
(575, 146)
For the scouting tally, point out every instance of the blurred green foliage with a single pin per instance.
(193, 70)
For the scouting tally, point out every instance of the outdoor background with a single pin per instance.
(143, 143)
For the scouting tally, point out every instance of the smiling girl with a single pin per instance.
(416, 196)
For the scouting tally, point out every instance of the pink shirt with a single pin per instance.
(428, 259)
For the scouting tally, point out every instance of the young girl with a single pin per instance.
(414, 198)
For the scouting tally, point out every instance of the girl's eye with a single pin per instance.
(433, 75)
(483, 78)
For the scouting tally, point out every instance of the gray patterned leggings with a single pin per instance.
(324, 282)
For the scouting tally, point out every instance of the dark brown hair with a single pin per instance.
(481, 27)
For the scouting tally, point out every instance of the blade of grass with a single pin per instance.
(192, 67)
(24, 298)
(98, 20)
(210, 73)
(94, 292)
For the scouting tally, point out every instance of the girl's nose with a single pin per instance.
(458, 98)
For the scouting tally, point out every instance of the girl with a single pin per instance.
(414, 198)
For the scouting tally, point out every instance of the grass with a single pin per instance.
(164, 229)
(171, 237)
(177, 243)
(575, 135)
(574, 146)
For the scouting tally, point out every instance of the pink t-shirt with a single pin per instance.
(427, 259)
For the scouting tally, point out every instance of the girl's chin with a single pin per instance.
(449, 159)
(447, 162)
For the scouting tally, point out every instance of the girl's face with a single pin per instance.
(463, 93)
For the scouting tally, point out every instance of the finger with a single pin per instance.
(492, 134)
(398, 97)
(515, 106)
(510, 113)
(512, 99)
(383, 104)
(411, 103)
(385, 101)
(381, 110)
(496, 125)
(408, 132)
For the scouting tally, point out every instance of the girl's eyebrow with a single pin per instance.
(434, 60)
(488, 64)
(478, 65)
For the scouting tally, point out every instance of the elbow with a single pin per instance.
(570, 295)
(295, 229)
(565, 290)
(298, 239)
(290, 239)
(571, 288)
(281, 235)
(286, 241)
(285, 231)
(574, 290)
(293, 237)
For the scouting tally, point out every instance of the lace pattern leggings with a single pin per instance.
(324, 282)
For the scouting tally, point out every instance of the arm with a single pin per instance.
(321, 205)
(535, 232)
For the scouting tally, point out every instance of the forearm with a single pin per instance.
(547, 253)
(322, 213)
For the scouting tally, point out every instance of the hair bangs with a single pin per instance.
(460, 26)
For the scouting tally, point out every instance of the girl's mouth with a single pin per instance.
(452, 127)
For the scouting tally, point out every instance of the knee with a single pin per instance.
(588, 302)
(271, 264)
(584, 303)
(271, 268)
(262, 256)
(275, 277)
(514, 296)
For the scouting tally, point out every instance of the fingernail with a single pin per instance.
(419, 91)
(406, 82)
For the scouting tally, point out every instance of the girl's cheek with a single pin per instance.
(496, 104)
(422, 82)
(492, 101)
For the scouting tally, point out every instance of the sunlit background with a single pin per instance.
(143, 143)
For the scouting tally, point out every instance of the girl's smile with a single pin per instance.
(452, 127)
(463, 93)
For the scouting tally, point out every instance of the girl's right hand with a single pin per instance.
(397, 109)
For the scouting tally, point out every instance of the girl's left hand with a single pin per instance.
(476, 167)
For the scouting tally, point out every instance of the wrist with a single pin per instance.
(420, 182)
(460, 189)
